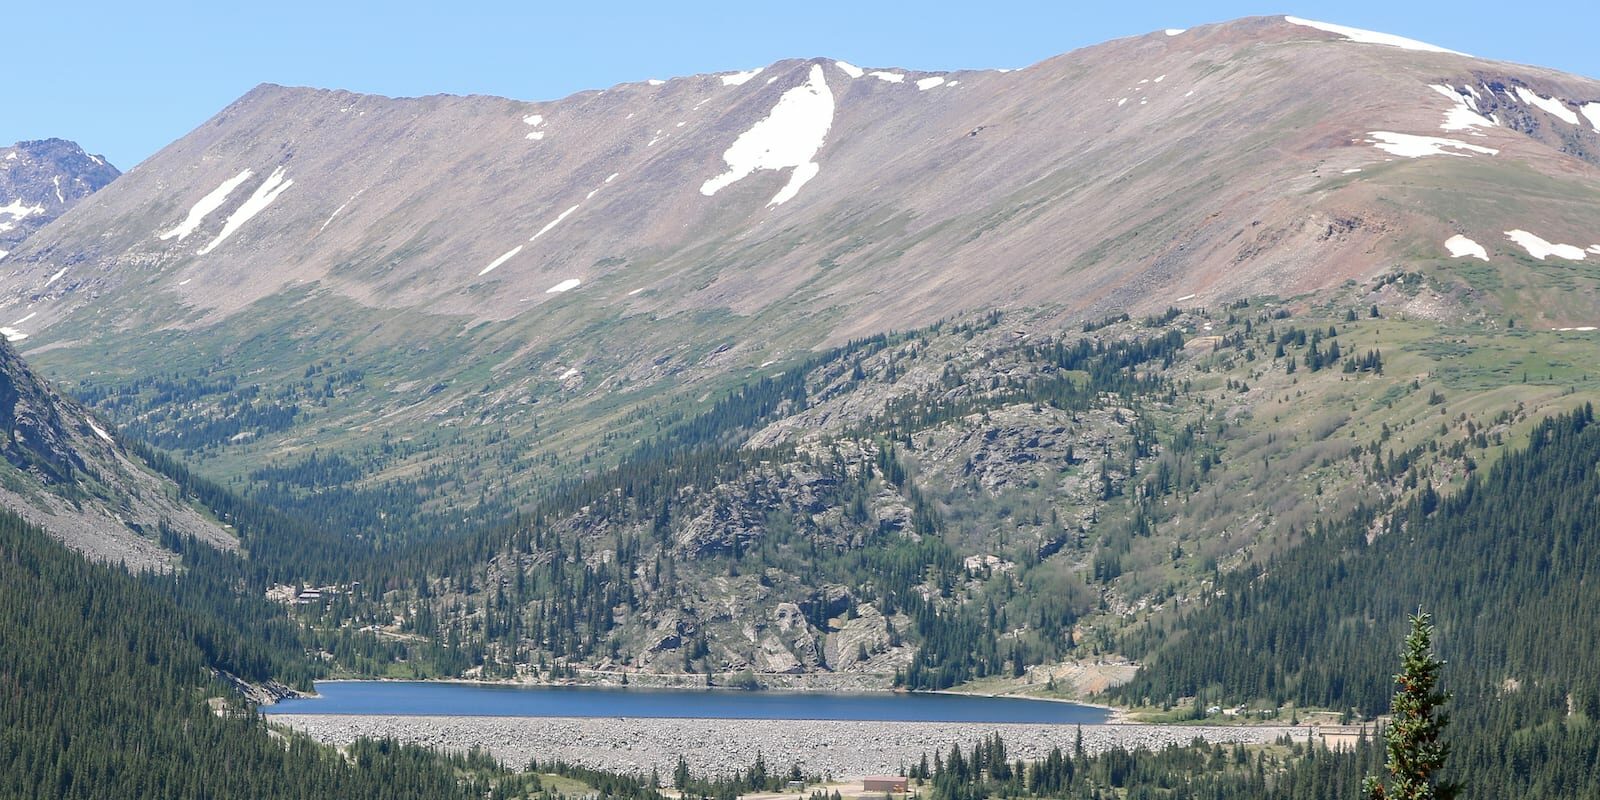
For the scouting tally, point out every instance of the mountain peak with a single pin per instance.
(40, 180)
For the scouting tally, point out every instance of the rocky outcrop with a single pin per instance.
(33, 434)
(41, 180)
(66, 472)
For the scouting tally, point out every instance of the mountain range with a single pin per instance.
(466, 270)
(779, 372)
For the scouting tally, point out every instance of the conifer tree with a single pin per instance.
(1413, 739)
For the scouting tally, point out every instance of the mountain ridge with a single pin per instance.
(478, 261)
(493, 297)
(451, 304)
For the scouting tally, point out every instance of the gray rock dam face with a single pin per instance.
(821, 747)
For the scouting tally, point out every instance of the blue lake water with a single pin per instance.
(415, 698)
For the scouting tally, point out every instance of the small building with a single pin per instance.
(889, 784)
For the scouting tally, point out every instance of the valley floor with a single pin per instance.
(712, 746)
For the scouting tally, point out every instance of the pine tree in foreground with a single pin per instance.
(1413, 737)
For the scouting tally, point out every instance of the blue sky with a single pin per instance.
(124, 79)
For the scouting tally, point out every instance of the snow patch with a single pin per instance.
(18, 212)
(1159, 78)
(56, 277)
(57, 181)
(1121, 102)
(564, 286)
(204, 207)
(1352, 170)
(925, 84)
(1594, 248)
(571, 372)
(534, 120)
(557, 221)
(740, 78)
(504, 257)
(1461, 116)
(1592, 111)
(1541, 249)
(1461, 247)
(891, 77)
(100, 432)
(790, 136)
(844, 66)
(612, 177)
(268, 191)
(1411, 146)
(636, 291)
(655, 82)
(1174, 31)
(31, 315)
(4, 253)
(1551, 105)
(12, 334)
(337, 210)
(1370, 37)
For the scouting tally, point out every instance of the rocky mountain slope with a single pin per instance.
(527, 287)
(1123, 175)
(683, 374)
(978, 501)
(40, 180)
(64, 472)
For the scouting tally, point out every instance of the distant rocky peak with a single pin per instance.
(40, 180)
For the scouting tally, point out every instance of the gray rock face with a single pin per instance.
(33, 434)
(40, 180)
(64, 472)
(715, 746)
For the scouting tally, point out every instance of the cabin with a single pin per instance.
(888, 784)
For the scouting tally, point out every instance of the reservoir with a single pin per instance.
(426, 698)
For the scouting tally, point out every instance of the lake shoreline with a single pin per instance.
(1115, 715)
(467, 698)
